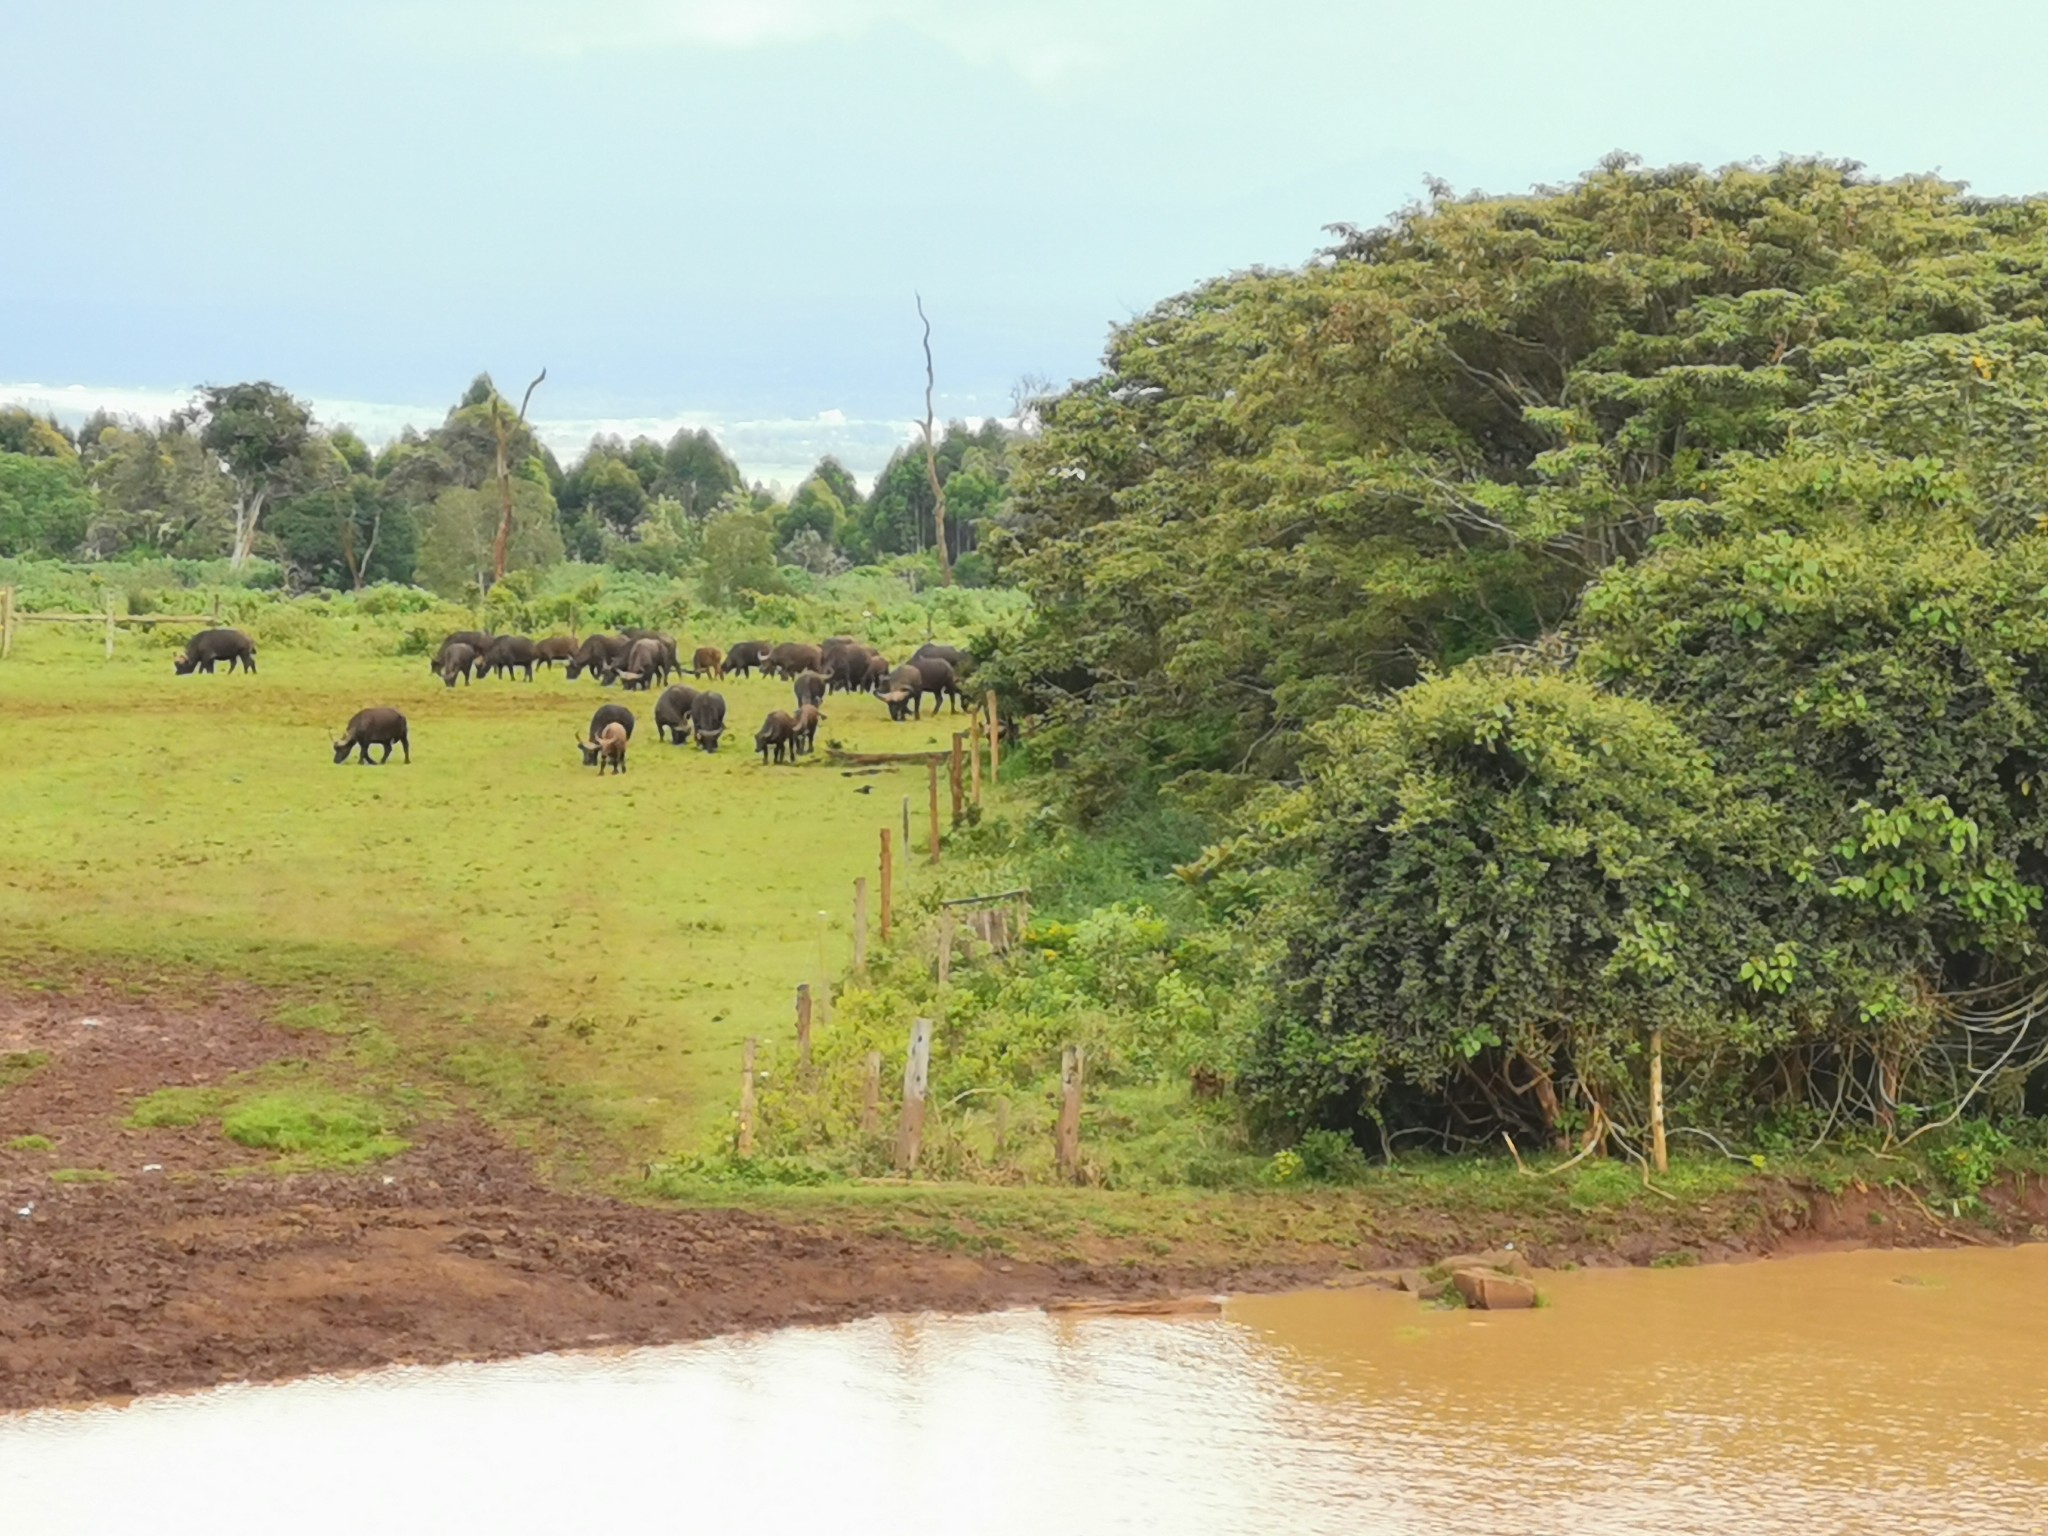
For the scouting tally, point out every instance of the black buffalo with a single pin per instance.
(211, 646)
(456, 661)
(475, 639)
(595, 655)
(373, 728)
(741, 660)
(960, 661)
(707, 719)
(510, 653)
(643, 662)
(810, 688)
(672, 712)
(555, 648)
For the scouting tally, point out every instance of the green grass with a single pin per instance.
(31, 1144)
(81, 1176)
(17, 1065)
(176, 1107)
(313, 1126)
(578, 958)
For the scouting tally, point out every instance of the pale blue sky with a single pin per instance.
(716, 211)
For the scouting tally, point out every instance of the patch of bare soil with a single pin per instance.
(174, 1274)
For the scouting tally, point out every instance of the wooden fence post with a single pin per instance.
(932, 774)
(803, 1025)
(995, 738)
(1069, 1143)
(974, 759)
(906, 826)
(871, 1095)
(6, 622)
(888, 885)
(916, 1075)
(110, 625)
(946, 946)
(860, 926)
(959, 797)
(821, 989)
(1659, 1155)
(746, 1136)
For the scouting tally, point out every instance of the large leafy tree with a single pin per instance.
(45, 505)
(1290, 490)
(261, 435)
(697, 472)
(24, 432)
(159, 490)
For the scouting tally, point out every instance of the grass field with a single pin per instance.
(577, 957)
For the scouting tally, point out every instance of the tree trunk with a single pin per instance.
(502, 546)
(931, 457)
(248, 513)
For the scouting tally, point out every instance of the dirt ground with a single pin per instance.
(180, 1272)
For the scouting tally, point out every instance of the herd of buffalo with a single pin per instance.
(635, 660)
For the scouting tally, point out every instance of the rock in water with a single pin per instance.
(1491, 1291)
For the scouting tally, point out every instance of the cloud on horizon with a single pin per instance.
(778, 450)
(1042, 43)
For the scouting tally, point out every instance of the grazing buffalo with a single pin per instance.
(475, 639)
(595, 655)
(672, 713)
(608, 751)
(641, 665)
(555, 648)
(960, 661)
(877, 677)
(844, 663)
(373, 728)
(937, 680)
(607, 715)
(810, 688)
(456, 661)
(904, 691)
(707, 719)
(777, 734)
(741, 660)
(792, 657)
(210, 646)
(709, 658)
(807, 721)
(509, 654)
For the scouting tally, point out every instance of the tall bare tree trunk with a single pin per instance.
(931, 456)
(503, 545)
(248, 513)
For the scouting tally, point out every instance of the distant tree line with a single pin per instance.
(245, 470)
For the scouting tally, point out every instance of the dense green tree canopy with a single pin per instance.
(45, 506)
(1290, 490)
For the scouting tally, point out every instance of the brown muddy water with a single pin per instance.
(1865, 1392)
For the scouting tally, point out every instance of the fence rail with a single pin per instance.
(12, 618)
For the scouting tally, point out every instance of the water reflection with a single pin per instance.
(1893, 1393)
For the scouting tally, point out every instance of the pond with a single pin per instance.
(1880, 1392)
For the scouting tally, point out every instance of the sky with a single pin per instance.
(719, 212)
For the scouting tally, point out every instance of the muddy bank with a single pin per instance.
(178, 1273)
